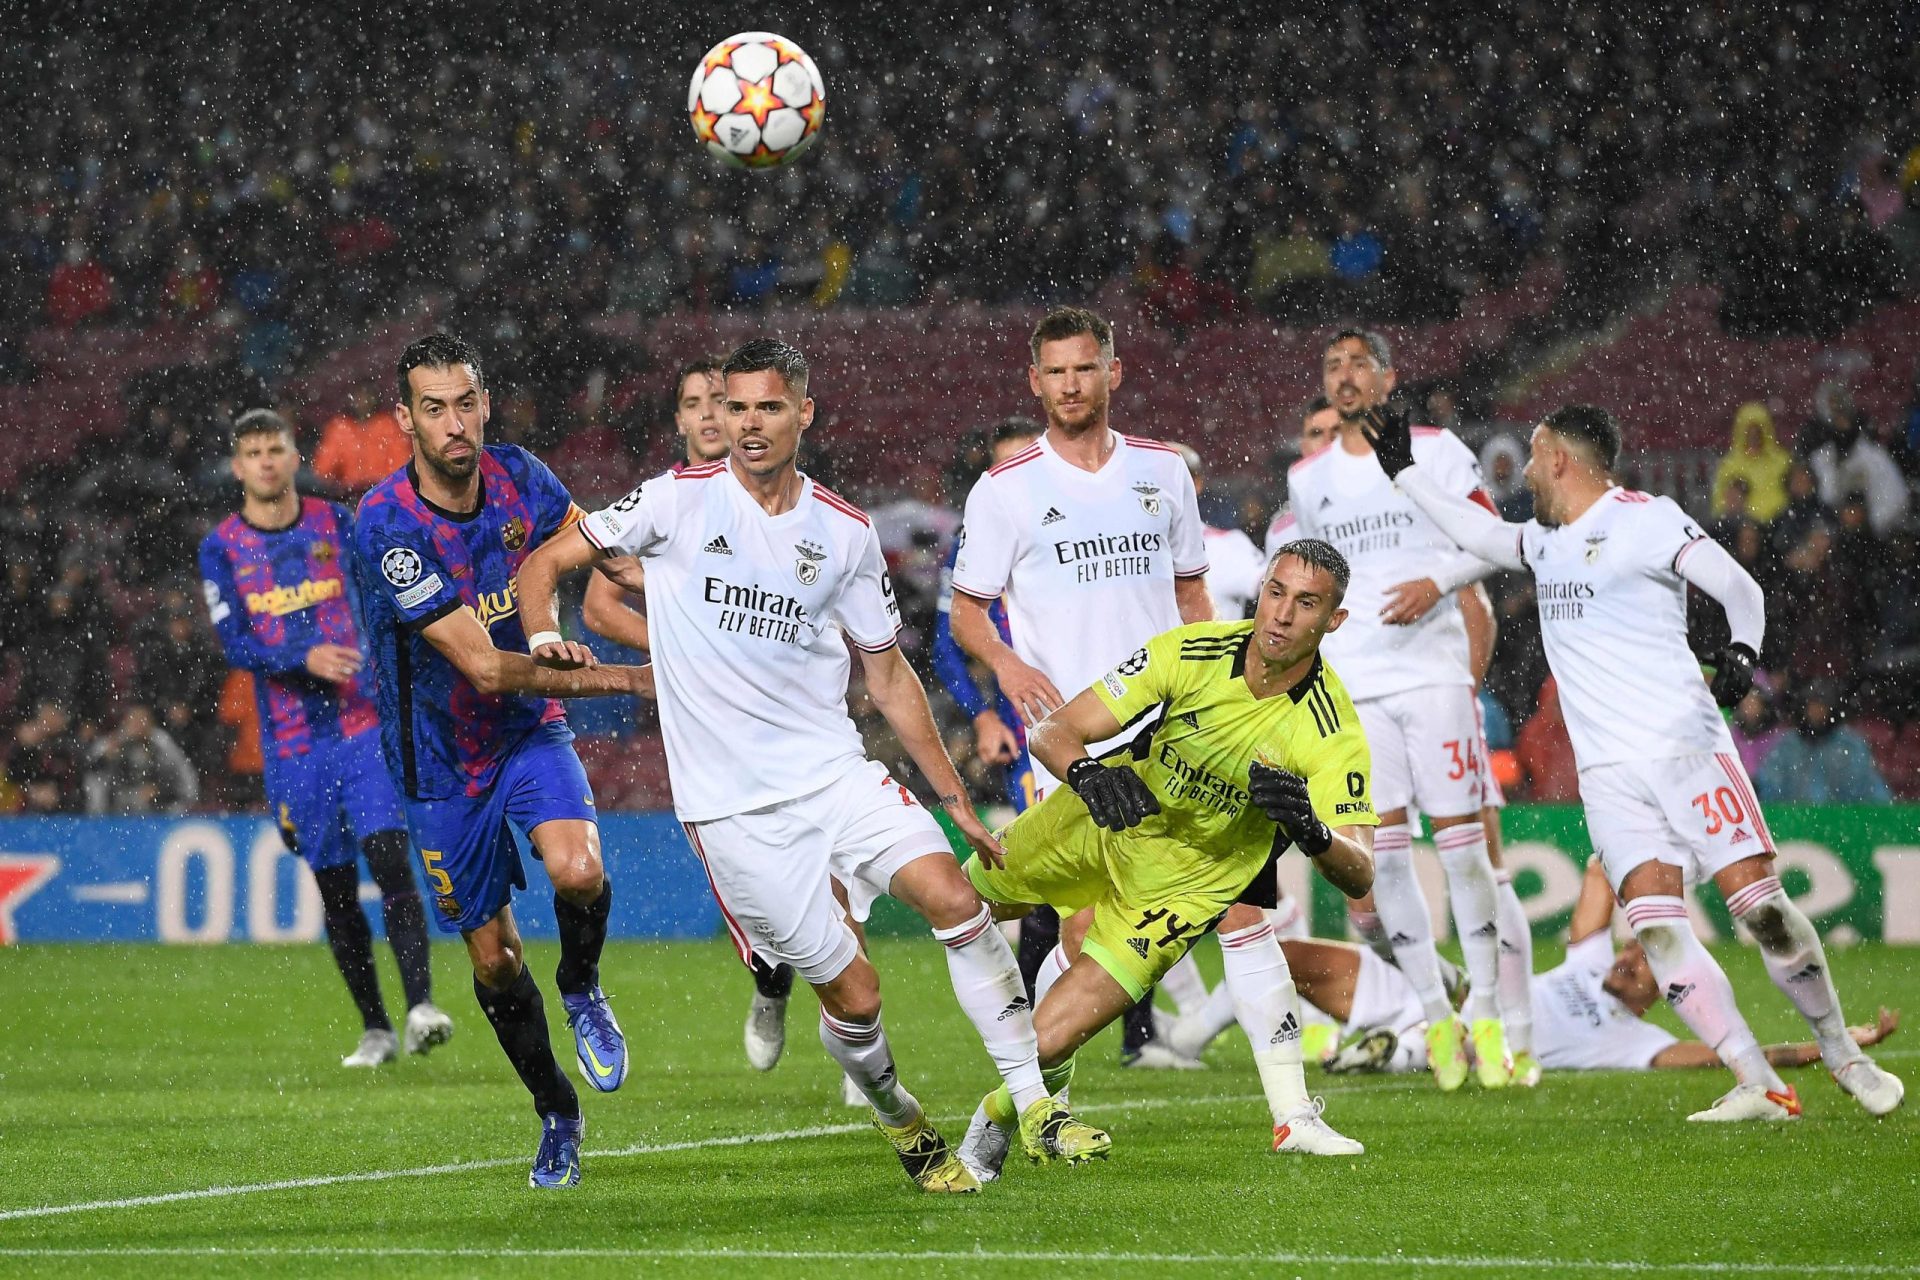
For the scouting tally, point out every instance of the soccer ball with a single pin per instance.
(757, 100)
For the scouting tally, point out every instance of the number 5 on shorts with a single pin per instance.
(436, 875)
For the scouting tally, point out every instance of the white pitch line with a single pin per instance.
(469, 1166)
(1394, 1261)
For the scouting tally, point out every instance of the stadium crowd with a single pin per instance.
(289, 188)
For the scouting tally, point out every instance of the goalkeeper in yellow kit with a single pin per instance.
(1248, 745)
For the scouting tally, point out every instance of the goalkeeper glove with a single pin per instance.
(1116, 798)
(1388, 430)
(1283, 797)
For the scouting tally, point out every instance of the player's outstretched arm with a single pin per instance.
(537, 584)
(1593, 911)
(467, 645)
(902, 699)
(1032, 694)
(1471, 526)
(606, 611)
(1116, 797)
(1802, 1053)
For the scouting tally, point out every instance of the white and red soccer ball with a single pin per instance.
(757, 100)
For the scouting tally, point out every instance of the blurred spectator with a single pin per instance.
(1755, 725)
(137, 767)
(1846, 458)
(1546, 752)
(1816, 618)
(1822, 761)
(1357, 253)
(1502, 461)
(361, 446)
(192, 285)
(79, 289)
(1804, 509)
(46, 760)
(1758, 462)
(180, 673)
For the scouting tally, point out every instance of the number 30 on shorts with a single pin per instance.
(1722, 807)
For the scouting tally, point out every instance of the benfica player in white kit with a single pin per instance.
(1094, 539)
(753, 576)
(1665, 794)
(1404, 657)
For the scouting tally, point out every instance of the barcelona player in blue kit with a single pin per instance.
(275, 576)
(471, 729)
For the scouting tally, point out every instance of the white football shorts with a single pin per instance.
(1696, 812)
(772, 869)
(1426, 749)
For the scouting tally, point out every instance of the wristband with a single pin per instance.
(539, 638)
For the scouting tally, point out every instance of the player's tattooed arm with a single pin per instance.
(468, 646)
(896, 690)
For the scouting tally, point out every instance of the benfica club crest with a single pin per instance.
(514, 533)
(1149, 497)
(807, 567)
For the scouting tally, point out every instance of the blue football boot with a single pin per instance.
(597, 1039)
(557, 1163)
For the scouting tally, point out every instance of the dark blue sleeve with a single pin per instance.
(228, 611)
(949, 659)
(395, 558)
(552, 504)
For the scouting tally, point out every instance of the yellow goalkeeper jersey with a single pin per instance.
(1201, 730)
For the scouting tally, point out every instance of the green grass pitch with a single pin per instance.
(131, 1072)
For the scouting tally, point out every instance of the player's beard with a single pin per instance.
(1096, 413)
(454, 471)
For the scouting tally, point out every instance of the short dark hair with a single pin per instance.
(1319, 404)
(709, 365)
(1069, 322)
(1588, 425)
(1376, 345)
(1017, 427)
(437, 351)
(1318, 555)
(260, 422)
(770, 353)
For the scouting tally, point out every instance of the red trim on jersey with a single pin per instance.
(1027, 454)
(1737, 775)
(840, 504)
(1485, 499)
(1425, 431)
(740, 942)
(1631, 495)
(705, 471)
(1281, 525)
(974, 595)
(1141, 442)
(879, 648)
(586, 531)
(1201, 572)
(1681, 554)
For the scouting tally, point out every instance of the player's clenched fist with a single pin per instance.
(1283, 797)
(1116, 798)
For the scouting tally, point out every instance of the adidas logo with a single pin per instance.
(1053, 516)
(718, 547)
(1289, 1030)
(1805, 973)
(1139, 946)
(1487, 930)
(1676, 992)
(1508, 949)
(1400, 939)
(1740, 836)
(1019, 1004)
(1191, 719)
(1325, 503)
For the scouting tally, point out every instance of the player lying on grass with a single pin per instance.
(1589, 1010)
(1254, 748)
(1666, 796)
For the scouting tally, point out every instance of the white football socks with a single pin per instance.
(1516, 966)
(1475, 899)
(1797, 963)
(1697, 988)
(1268, 1007)
(1404, 915)
(861, 1050)
(986, 981)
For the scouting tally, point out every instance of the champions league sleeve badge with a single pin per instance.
(400, 566)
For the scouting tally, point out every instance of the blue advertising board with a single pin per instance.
(221, 879)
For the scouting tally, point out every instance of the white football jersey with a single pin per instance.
(1613, 620)
(746, 613)
(1235, 569)
(1577, 1026)
(1346, 499)
(1085, 559)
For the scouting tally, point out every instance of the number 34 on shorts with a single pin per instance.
(1138, 945)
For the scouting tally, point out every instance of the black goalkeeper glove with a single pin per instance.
(1733, 674)
(1283, 797)
(1116, 798)
(1391, 434)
